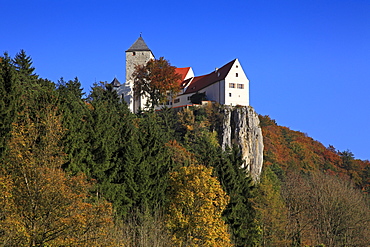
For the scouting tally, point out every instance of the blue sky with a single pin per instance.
(308, 61)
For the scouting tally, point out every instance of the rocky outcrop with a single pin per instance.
(241, 127)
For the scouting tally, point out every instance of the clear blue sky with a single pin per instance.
(308, 61)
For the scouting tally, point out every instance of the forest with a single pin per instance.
(82, 170)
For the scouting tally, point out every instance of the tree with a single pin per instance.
(156, 80)
(339, 213)
(198, 97)
(7, 100)
(324, 209)
(77, 122)
(197, 128)
(240, 213)
(295, 192)
(45, 205)
(196, 205)
(271, 210)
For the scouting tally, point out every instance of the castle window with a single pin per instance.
(241, 86)
(133, 53)
(229, 94)
(237, 66)
(236, 75)
(231, 85)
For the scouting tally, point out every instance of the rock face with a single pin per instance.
(241, 127)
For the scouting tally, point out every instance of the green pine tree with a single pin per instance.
(239, 214)
(77, 123)
(7, 100)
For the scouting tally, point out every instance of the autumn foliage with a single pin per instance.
(196, 205)
(41, 204)
(286, 149)
(157, 79)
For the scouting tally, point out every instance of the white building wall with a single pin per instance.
(190, 74)
(239, 95)
(182, 100)
(214, 91)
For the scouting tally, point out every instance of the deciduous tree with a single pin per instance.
(157, 79)
(195, 209)
(46, 206)
(271, 210)
(325, 210)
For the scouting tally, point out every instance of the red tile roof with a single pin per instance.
(201, 82)
(183, 72)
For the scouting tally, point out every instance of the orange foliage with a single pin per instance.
(293, 149)
(156, 79)
(179, 154)
(41, 204)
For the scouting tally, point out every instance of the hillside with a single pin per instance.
(288, 149)
(78, 171)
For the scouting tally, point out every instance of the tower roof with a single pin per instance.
(139, 45)
(115, 82)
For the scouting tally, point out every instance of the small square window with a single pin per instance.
(231, 85)
(176, 101)
(229, 94)
(236, 75)
(240, 86)
(134, 53)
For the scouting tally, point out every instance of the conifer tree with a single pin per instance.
(7, 100)
(145, 166)
(240, 213)
(104, 132)
(21, 90)
(156, 163)
(130, 157)
(77, 122)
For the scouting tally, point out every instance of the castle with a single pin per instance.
(227, 85)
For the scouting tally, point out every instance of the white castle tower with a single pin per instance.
(138, 54)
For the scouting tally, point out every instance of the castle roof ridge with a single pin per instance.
(139, 45)
(200, 82)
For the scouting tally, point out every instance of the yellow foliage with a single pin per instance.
(40, 204)
(194, 213)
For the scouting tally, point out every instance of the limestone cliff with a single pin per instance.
(241, 126)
